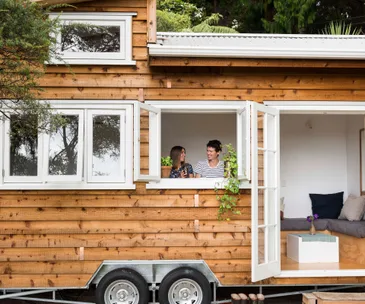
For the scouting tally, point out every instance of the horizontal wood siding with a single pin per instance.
(59, 238)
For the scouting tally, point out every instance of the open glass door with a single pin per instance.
(147, 142)
(265, 212)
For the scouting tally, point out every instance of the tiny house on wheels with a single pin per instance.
(86, 205)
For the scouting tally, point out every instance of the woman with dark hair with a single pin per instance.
(212, 166)
(180, 169)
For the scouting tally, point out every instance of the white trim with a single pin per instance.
(2, 144)
(321, 273)
(123, 20)
(192, 183)
(258, 46)
(270, 265)
(65, 186)
(197, 106)
(318, 107)
(154, 143)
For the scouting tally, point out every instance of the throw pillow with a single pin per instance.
(353, 209)
(327, 206)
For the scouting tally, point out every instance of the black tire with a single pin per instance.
(185, 278)
(129, 281)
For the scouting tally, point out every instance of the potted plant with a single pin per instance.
(166, 165)
(228, 200)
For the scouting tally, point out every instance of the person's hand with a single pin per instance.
(184, 173)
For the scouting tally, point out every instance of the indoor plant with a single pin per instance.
(166, 165)
(311, 219)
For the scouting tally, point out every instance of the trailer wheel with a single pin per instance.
(184, 285)
(122, 286)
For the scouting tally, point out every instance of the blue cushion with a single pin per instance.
(327, 206)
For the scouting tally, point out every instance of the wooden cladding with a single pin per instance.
(53, 234)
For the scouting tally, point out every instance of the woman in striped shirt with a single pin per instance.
(212, 166)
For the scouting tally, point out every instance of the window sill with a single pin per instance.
(192, 183)
(92, 61)
(66, 186)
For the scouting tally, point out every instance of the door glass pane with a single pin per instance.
(261, 246)
(80, 37)
(145, 142)
(63, 147)
(106, 145)
(23, 145)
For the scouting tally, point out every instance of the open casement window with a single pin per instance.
(94, 38)
(243, 141)
(147, 142)
(23, 149)
(106, 146)
(64, 148)
(230, 118)
(265, 218)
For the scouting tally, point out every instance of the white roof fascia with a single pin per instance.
(258, 46)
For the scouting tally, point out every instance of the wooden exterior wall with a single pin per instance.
(59, 238)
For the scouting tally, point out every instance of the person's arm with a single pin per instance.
(190, 171)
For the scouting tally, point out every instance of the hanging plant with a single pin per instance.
(228, 200)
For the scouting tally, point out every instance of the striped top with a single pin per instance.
(205, 170)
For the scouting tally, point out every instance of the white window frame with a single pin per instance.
(241, 108)
(80, 152)
(154, 143)
(40, 183)
(123, 20)
(6, 159)
(89, 146)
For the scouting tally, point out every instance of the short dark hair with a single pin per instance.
(216, 144)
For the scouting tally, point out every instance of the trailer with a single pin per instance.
(291, 105)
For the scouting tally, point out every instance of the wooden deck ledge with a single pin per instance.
(333, 298)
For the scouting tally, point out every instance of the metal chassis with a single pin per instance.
(25, 295)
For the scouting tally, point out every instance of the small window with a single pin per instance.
(97, 38)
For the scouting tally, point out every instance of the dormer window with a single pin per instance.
(95, 38)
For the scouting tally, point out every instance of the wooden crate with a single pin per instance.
(333, 298)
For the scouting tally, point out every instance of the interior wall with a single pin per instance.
(354, 124)
(313, 159)
(193, 131)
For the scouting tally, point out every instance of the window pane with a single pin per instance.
(78, 37)
(23, 145)
(106, 145)
(63, 147)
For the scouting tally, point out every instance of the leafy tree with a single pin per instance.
(209, 25)
(291, 16)
(26, 45)
(179, 16)
(172, 22)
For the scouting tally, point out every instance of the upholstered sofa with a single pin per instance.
(353, 228)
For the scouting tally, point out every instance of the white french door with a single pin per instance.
(265, 215)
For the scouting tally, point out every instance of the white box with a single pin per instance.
(312, 251)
